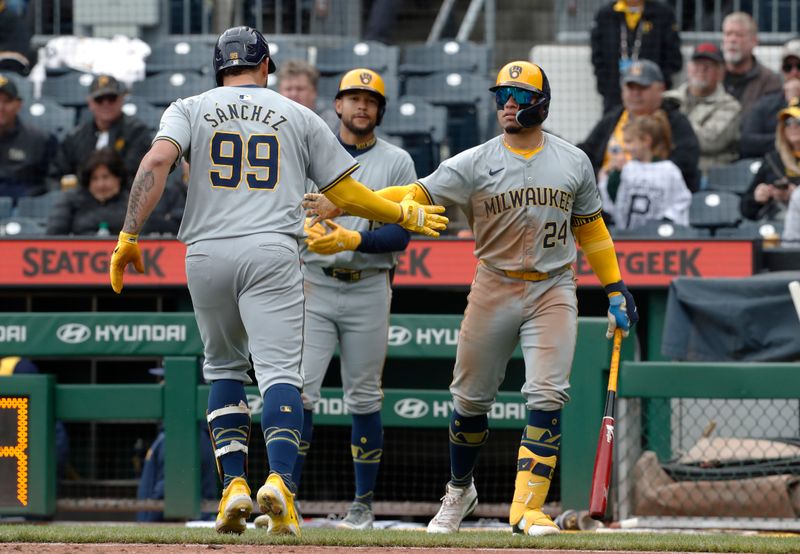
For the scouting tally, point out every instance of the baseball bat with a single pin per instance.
(794, 290)
(601, 476)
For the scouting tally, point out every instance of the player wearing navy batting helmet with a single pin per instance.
(251, 152)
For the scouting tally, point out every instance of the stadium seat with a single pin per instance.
(752, 230)
(660, 230)
(37, 207)
(185, 53)
(282, 50)
(372, 55)
(467, 100)
(49, 116)
(164, 88)
(733, 177)
(70, 89)
(24, 86)
(6, 206)
(144, 111)
(22, 226)
(421, 127)
(449, 56)
(712, 210)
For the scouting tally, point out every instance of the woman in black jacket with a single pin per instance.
(99, 202)
(779, 174)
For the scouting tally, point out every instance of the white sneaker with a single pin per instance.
(457, 503)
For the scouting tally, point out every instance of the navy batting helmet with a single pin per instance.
(240, 47)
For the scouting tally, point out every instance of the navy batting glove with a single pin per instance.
(622, 310)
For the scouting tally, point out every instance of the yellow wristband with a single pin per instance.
(129, 238)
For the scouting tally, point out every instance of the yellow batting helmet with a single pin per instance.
(531, 77)
(368, 80)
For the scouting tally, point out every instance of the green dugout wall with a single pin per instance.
(181, 400)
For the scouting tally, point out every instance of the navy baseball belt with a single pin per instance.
(350, 275)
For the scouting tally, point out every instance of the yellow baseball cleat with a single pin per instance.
(234, 508)
(277, 503)
(535, 523)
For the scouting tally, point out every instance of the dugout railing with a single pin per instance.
(708, 445)
(30, 404)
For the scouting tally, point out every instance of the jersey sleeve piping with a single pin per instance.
(340, 178)
(173, 141)
(425, 190)
(579, 219)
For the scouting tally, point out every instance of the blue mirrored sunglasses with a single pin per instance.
(520, 95)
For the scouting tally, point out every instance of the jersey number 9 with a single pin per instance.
(262, 155)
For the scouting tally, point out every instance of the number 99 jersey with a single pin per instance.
(521, 210)
(251, 151)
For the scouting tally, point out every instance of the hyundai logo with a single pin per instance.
(411, 408)
(398, 336)
(73, 333)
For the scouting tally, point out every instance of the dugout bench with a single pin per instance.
(29, 404)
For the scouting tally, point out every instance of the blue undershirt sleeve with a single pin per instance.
(387, 238)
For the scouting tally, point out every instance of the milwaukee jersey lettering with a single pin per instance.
(520, 209)
(251, 151)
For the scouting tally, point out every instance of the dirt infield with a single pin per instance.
(63, 548)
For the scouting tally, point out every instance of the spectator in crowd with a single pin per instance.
(779, 174)
(297, 80)
(649, 186)
(745, 78)
(714, 114)
(25, 151)
(791, 227)
(625, 31)
(168, 213)
(642, 94)
(758, 125)
(99, 204)
(16, 53)
(109, 127)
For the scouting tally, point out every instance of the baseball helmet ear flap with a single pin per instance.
(368, 80)
(240, 47)
(536, 113)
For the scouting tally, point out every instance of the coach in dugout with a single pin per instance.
(642, 94)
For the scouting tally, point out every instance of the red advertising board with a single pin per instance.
(424, 263)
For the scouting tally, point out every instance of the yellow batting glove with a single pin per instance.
(313, 230)
(126, 252)
(338, 240)
(422, 219)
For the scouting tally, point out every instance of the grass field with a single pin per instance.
(167, 534)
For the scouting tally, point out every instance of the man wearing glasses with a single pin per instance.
(528, 196)
(758, 125)
(108, 127)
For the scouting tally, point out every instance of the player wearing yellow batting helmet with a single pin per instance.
(364, 79)
(528, 84)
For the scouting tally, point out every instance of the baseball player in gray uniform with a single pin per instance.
(528, 196)
(251, 151)
(348, 293)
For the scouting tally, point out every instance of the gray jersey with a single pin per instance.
(383, 165)
(250, 151)
(520, 209)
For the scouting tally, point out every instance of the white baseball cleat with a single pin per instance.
(457, 503)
